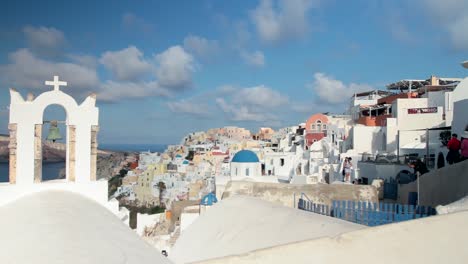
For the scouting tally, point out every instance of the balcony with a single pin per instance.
(380, 120)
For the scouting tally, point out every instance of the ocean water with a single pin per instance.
(50, 171)
(134, 147)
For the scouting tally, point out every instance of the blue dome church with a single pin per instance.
(245, 163)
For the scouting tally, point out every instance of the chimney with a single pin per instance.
(434, 80)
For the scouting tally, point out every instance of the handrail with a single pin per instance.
(303, 194)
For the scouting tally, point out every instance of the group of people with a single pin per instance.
(458, 149)
(347, 167)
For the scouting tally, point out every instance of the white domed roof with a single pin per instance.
(62, 227)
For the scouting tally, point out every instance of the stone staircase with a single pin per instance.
(175, 235)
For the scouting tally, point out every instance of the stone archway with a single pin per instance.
(26, 119)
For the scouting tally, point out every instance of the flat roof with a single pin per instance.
(416, 84)
(379, 92)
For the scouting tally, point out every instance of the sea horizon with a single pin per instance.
(133, 147)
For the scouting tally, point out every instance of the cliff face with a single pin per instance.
(107, 165)
(108, 162)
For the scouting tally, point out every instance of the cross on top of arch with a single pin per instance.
(56, 83)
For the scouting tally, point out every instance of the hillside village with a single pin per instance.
(234, 132)
(383, 132)
(227, 195)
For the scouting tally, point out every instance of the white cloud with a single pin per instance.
(175, 68)
(201, 47)
(277, 20)
(114, 91)
(26, 70)
(241, 112)
(458, 32)
(127, 64)
(132, 22)
(188, 107)
(259, 96)
(304, 107)
(130, 78)
(251, 104)
(334, 91)
(44, 41)
(255, 58)
(85, 60)
(398, 29)
(452, 16)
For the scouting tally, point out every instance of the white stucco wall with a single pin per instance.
(27, 114)
(146, 220)
(186, 219)
(460, 99)
(239, 169)
(367, 139)
(373, 171)
(407, 121)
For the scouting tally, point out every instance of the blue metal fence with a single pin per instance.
(365, 213)
(391, 190)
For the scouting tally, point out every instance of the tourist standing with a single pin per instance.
(453, 146)
(464, 146)
(348, 166)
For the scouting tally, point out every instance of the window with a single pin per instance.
(247, 172)
(236, 171)
(324, 127)
(282, 162)
(271, 162)
(312, 127)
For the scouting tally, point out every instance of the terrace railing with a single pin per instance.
(366, 213)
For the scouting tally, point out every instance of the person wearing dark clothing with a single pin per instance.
(453, 146)
(419, 166)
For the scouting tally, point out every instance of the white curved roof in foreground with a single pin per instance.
(60, 227)
(242, 224)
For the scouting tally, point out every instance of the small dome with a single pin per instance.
(209, 199)
(185, 162)
(178, 156)
(245, 156)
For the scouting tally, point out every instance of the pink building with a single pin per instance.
(316, 128)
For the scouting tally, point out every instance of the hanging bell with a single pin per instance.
(54, 133)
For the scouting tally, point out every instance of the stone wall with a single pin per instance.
(94, 151)
(439, 187)
(289, 194)
(72, 153)
(37, 153)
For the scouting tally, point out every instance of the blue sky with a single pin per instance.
(162, 69)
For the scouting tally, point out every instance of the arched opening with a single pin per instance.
(319, 125)
(53, 137)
